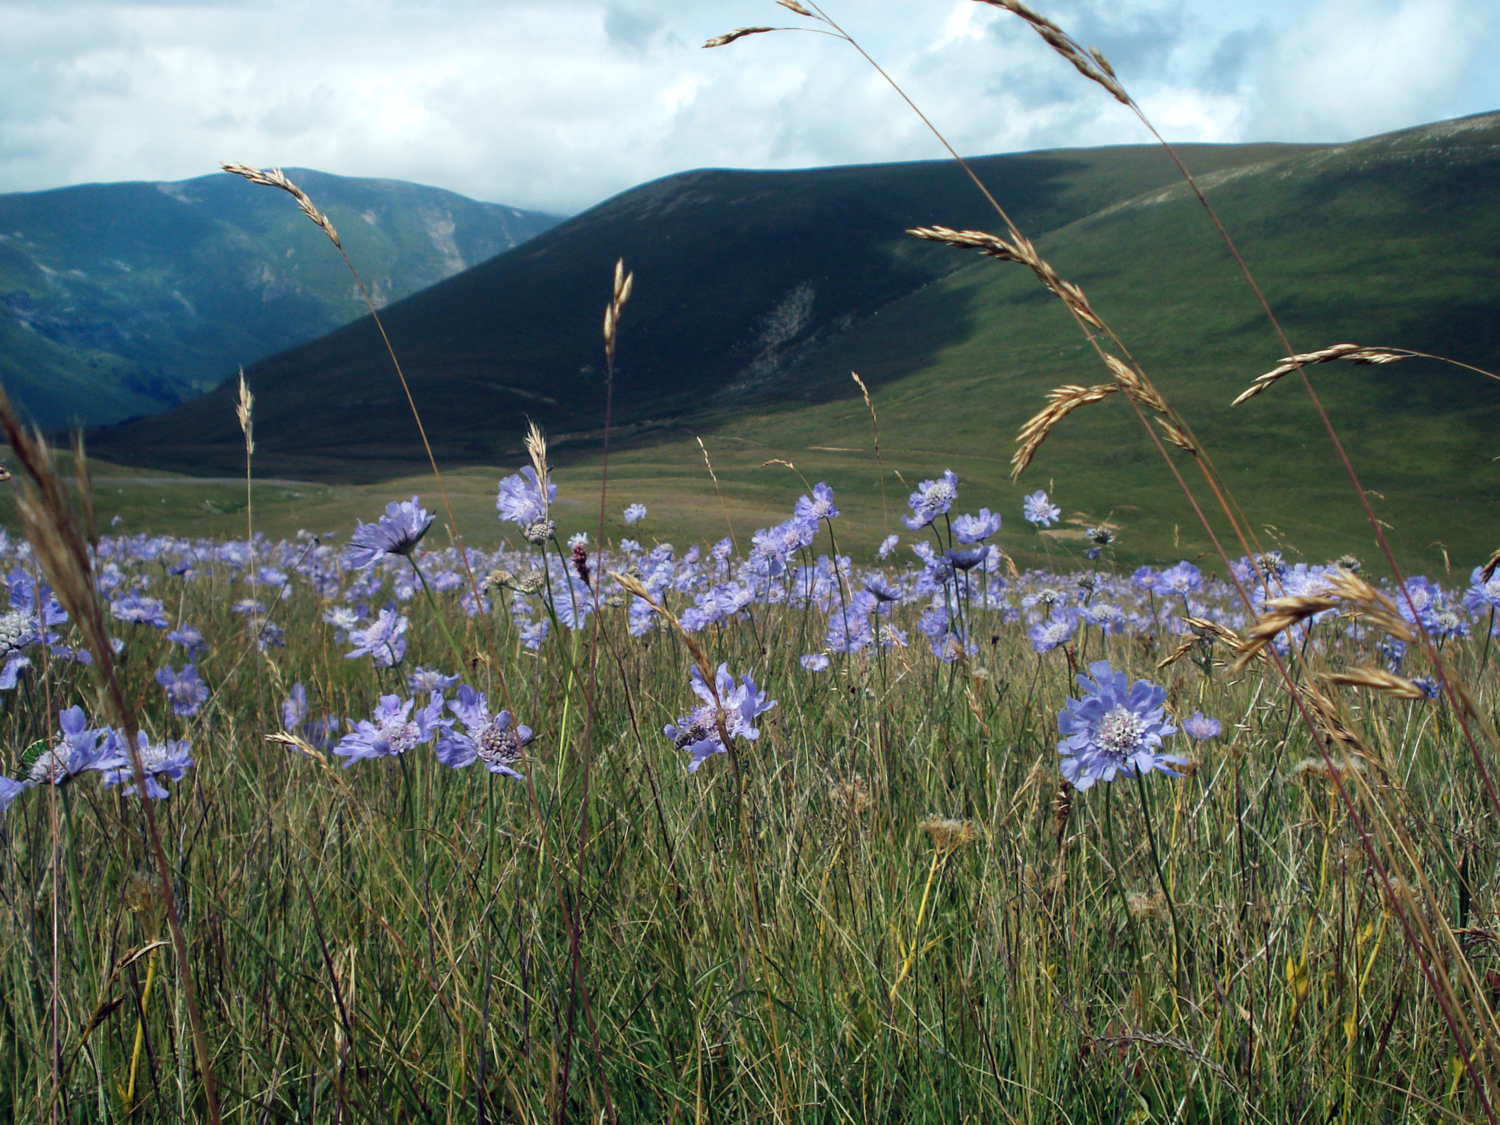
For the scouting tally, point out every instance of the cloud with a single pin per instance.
(1352, 67)
(556, 104)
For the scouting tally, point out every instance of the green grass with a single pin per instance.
(405, 942)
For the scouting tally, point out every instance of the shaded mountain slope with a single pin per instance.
(739, 276)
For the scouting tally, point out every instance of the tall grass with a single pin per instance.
(889, 906)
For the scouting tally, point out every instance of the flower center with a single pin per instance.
(1121, 731)
(401, 736)
(499, 746)
(14, 628)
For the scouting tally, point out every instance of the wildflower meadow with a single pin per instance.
(562, 822)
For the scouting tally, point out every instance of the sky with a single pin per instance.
(555, 105)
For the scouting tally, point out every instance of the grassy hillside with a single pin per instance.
(124, 299)
(738, 275)
(1386, 241)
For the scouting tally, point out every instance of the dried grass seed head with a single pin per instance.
(276, 178)
(1061, 401)
(947, 833)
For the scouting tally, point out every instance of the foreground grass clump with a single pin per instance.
(849, 883)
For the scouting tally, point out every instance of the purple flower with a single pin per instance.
(520, 499)
(489, 738)
(887, 545)
(1100, 537)
(1047, 635)
(969, 530)
(819, 506)
(294, 708)
(1115, 728)
(932, 498)
(10, 789)
(815, 662)
(735, 709)
(634, 514)
(397, 533)
(965, 558)
(1039, 510)
(140, 611)
(294, 711)
(1429, 685)
(185, 691)
(169, 760)
(424, 680)
(77, 749)
(1200, 727)
(393, 731)
(383, 641)
(189, 638)
(1482, 594)
(1179, 581)
(534, 634)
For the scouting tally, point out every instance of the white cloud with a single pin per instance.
(1353, 67)
(555, 104)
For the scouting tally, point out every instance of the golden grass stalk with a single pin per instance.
(1018, 249)
(1349, 353)
(58, 542)
(1376, 679)
(1281, 614)
(879, 459)
(276, 178)
(1088, 61)
(738, 33)
(623, 284)
(1061, 401)
(536, 449)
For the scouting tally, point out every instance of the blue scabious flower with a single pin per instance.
(1200, 727)
(10, 789)
(78, 748)
(1483, 593)
(969, 530)
(487, 738)
(965, 558)
(818, 506)
(140, 611)
(397, 533)
(1429, 685)
(534, 634)
(1178, 581)
(1039, 510)
(1100, 537)
(1116, 728)
(423, 681)
(815, 662)
(189, 638)
(383, 641)
(294, 717)
(887, 545)
(160, 761)
(932, 498)
(521, 500)
(634, 514)
(1047, 635)
(394, 730)
(736, 708)
(185, 691)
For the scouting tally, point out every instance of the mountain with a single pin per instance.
(740, 278)
(128, 298)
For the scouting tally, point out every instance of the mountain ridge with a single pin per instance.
(125, 298)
